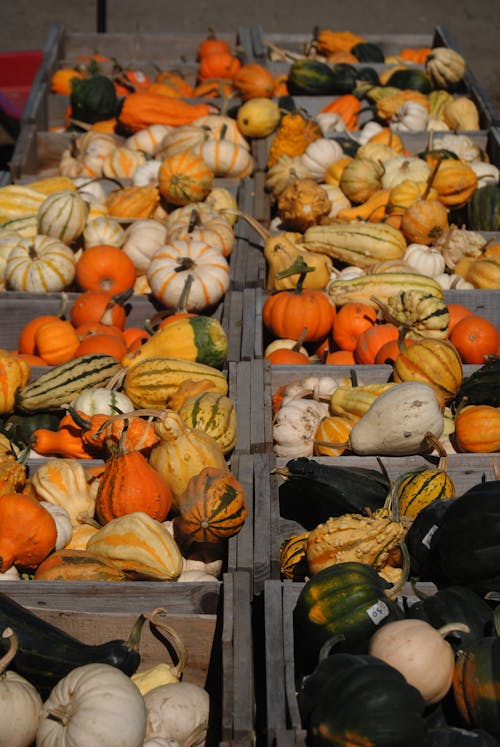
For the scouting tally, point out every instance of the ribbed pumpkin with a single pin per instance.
(171, 264)
(122, 163)
(212, 508)
(254, 81)
(477, 429)
(424, 222)
(455, 182)
(41, 265)
(416, 489)
(184, 178)
(27, 531)
(182, 453)
(214, 414)
(62, 215)
(77, 565)
(226, 159)
(200, 222)
(129, 483)
(434, 362)
(140, 546)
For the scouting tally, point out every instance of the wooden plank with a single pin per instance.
(244, 691)
(263, 542)
(243, 406)
(291, 592)
(232, 323)
(274, 658)
(257, 414)
(228, 660)
(248, 324)
(243, 468)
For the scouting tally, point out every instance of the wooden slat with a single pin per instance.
(243, 557)
(274, 657)
(248, 324)
(262, 522)
(243, 405)
(244, 700)
(232, 323)
(257, 414)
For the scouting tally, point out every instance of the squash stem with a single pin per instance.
(397, 588)
(134, 640)
(11, 651)
(172, 636)
(264, 233)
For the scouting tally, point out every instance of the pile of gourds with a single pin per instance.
(50, 682)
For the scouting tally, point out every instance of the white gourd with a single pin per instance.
(95, 704)
(319, 155)
(397, 422)
(461, 145)
(487, 173)
(410, 117)
(40, 265)
(179, 711)
(146, 174)
(100, 400)
(62, 521)
(194, 576)
(91, 190)
(11, 574)
(63, 482)
(295, 426)
(330, 122)
(452, 280)
(425, 259)
(399, 168)
(20, 703)
(368, 131)
(63, 215)
(337, 198)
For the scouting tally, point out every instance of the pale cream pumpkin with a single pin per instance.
(86, 154)
(150, 139)
(171, 264)
(42, 265)
(103, 230)
(62, 215)
(142, 239)
(208, 226)
(226, 159)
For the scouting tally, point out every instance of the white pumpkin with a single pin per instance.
(319, 155)
(182, 138)
(196, 576)
(226, 159)
(62, 521)
(142, 239)
(103, 401)
(178, 710)
(425, 259)
(349, 272)
(219, 126)
(20, 703)
(368, 131)
(452, 280)
(399, 168)
(122, 163)
(461, 145)
(11, 574)
(410, 117)
(95, 704)
(149, 139)
(86, 155)
(42, 265)
(103, 230)
(295, 426)
(172, 263)
(147, 174)
(63, 215)
(330, 122)
(208, 226)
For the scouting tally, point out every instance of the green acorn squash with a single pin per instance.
(93, 99)
(315, 78)
(368, 52)
(410, 79)
(483, 209)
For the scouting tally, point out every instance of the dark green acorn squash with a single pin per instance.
(420, 539)
(410, 79)
(476, 684)
(348, 599)
(483, 209)
(316, 78)
(368, 75)
(482, 387)
(364, 703)
(455, 604)
(93, 99)
(368, 52)
(467, 543)
(19, 428)
(312, 492)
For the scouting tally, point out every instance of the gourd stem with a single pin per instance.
(299, 267)
(11, 651)
(194, 220)
(173, 637)
(452, 628)
(145, 412)
(134, 640)
(443, 456)
(397, 588)
(326, 648)
(431, 178)
(185, 263)
(300, 340)
(264, 233)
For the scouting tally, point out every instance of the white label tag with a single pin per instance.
(377, 612)
(430, 534)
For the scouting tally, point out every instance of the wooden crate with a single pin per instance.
(148, 52)
(213, 620)
(391, 44)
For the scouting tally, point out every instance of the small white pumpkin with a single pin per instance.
(349, 272)
(196, 576)
(63, 215)
(178, 710)
(368, 131)
(11, 574)
(20, 703)
(453, 281)
(461, 145)
(95, 704)
(226, 159)
(425, 259)
(410, 117)
(221, 127)
(330, 122)
(319, 155)
(337, 198)
(103, 401)
(149, 139)
(8, 240)
(103, 230)
(295, 426)
(172, 263)
(142, 239)
(283, 343)
(146, 174)
(62, 521)
(399, 168)
(212, 229)
(40, 265)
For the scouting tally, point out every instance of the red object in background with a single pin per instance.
(17, 71)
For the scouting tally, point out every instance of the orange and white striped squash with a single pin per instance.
(140, 546)
(183, 452)
(171, 264)
(122, 163)
(42, 265)
(86, 155)
(220, 127)
(184, 177)
(62, 215)
(226, 159)
(203, 225)
(103, 230)
(150, 139)
(182, 138)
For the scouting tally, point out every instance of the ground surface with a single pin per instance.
(24, 24)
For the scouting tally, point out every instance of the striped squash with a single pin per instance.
(196, 338)
(184, 177)
(214, 414)
(182, 452)
(19, 201)
(222, 127)
(63, 215)
(151, 382)
(170, 266)
(212, 508)
(383, 285)
(415, 490)
(64, 382)
(356, 243)
(78, 565)
(140, 546)
(122, 163)
(182, 138)
(150, 139)
(293, 557)
(102, 400)
(43, 264)
(226, 159)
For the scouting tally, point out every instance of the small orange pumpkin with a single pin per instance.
(254, 81)
(105, 267)
(27, 531)
(424, 222)
(477, 429)
(184, 178)
(218, 65)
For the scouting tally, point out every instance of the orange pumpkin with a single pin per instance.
(130, 434)
(218, 65)
(212, 508)
(212, 44)
(348, 106)
(333, 429)
(340, 358)
(475, 337)
(286, 356)
(27, 531)
(60, 81)
(350, 321)
(457, 312)
(455, 182)
(371, 340)
(99, 305)
(105, 267)
(424, 222)
(477, 429)
(102, 342)
(184, 178)
(129, 483)
(254, 81)
(56, 341)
